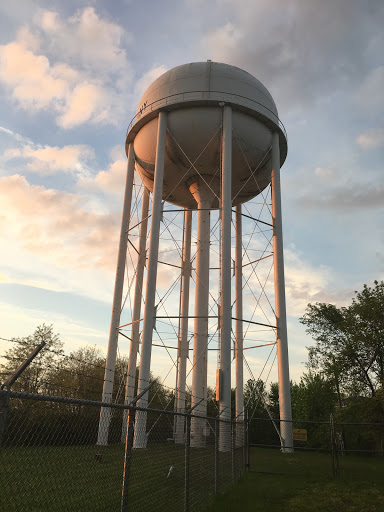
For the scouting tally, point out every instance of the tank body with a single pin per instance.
(193, 95)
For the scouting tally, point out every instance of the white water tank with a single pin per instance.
(193, 95)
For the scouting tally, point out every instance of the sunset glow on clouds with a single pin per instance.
(49, 160)
(71, 75)
(76, 67)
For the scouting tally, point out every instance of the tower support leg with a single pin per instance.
(280, 307)
(136, 311)
(105, 413)
(140, 439)
(226, 263)
(183, 332)
(240, 432)
(203, 196)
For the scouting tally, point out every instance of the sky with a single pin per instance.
(71, 76)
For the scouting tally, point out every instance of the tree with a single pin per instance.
(37, 373)
(255, 398)
(313, 398)
(349, 340)
(79, 375)
(273, 399)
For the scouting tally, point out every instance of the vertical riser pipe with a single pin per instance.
(201, 321)
(183, 334)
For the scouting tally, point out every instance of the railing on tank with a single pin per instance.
(165, 101)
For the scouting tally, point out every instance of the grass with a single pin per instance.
(89, 478)
(302, 482)
(56, 479)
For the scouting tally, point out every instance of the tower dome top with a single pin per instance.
(208, 83)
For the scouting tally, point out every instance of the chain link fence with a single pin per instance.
(50, 459)
(334, 448)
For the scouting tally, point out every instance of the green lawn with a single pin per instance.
(73, 478)
(58, 479)
(302, 482)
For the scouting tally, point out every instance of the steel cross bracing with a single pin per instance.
(255, 277)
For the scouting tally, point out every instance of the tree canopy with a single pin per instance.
(37, 373)
(349, 346)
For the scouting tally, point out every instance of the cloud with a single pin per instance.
(50, 160)
(301, 50)
(145, 81)
(370, 93)
(86, 39)
(34, 83)
(57, 227)
(74, 67)
(351, 196)
(87, 101)
(28, 40)
(324, 172)
(110, 181)
(226, 36)
(371, 139)
(16, 136)
(113, 180)
(306, 283)
(3, 278)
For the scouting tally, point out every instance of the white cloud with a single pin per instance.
(74, 67)
(49, 160)
(16, 136)
(57, 226)
(324, 172)
(86, 101)
(86, 39)
(113, 179)
(228, 36)
(29, 40)
(306, 283)
(145, 81)
(302, 281)
(30, 77)
(110, 181)
(371, 139)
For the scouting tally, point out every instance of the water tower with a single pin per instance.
(181, 144)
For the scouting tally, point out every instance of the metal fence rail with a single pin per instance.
(49, 459)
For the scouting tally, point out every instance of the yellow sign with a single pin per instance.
(299, 434)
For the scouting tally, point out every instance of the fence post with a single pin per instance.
(5, 395)
(127, 461)
(233, 450)
(335, 461)
(248, 448)
(128, 447)
(187, 457)
(244, 439)
(216, 454)
(4, 404)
